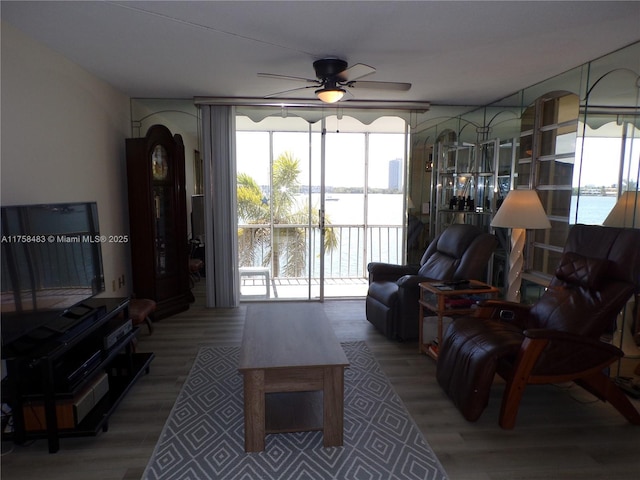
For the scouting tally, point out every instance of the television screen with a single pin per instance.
(51, 261)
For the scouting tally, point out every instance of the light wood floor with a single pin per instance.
(561, 433)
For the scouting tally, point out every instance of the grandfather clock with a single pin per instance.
(158, 220)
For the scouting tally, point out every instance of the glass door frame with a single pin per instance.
(319, 147)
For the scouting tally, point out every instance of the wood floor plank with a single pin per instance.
(561, 432)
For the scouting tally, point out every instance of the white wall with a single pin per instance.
(63, 140)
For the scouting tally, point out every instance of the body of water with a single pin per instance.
(383, 237)
(592, 209)
(348, 208)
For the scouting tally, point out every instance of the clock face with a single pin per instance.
(159, 163)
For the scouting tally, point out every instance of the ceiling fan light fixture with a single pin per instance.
(330, 95)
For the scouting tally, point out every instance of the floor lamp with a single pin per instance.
(520, 211)
(626, 211)
(626, 214)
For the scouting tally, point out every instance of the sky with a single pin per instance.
(345, 154)
(600, 164)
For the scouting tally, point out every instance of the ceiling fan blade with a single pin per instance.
(396, 86)
(286, 77)
(347, 96)
(279, 94)
(359, 70)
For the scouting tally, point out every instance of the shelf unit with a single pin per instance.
(34, 379)
(545, 163)
(482, 172)
(471, 180)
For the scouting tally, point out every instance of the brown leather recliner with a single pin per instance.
(557, 339)
(460, 252)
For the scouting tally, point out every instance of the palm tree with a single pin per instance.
(287, 249)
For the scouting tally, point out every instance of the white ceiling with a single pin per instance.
(454, 53)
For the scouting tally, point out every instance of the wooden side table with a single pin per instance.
(449, 299)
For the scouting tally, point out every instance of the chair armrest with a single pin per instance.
(567, 352)
(410, 281)
(503, 310)
(572, 339)
(389, 272)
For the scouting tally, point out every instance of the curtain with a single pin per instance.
(220, 210)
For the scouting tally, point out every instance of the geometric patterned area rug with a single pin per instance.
(203, 437)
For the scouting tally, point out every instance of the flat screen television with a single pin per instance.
(51, 264)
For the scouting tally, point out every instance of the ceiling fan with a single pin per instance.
(334, 77)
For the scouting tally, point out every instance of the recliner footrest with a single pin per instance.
(469, 354)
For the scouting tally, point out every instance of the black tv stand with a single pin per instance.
(52, 387)
(82, 313)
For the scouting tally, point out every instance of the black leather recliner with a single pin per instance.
(460, 252)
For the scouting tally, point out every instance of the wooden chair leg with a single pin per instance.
(525, 361)
(149, 323)
(511, 403)
(604, 388)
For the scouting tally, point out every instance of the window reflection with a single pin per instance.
(606, 165)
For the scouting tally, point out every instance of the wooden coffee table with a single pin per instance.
(293, 371)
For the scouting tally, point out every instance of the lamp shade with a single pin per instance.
(330, 95)
(626, 212)
(521, 209)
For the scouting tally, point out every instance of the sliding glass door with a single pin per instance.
(277, 213)
(364, 186)
(345, 210)
(316, 202)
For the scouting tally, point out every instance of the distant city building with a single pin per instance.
(395, 174)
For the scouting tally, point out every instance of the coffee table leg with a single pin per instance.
(254, 417)
(333, 406)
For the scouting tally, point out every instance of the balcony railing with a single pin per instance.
(357, 245)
